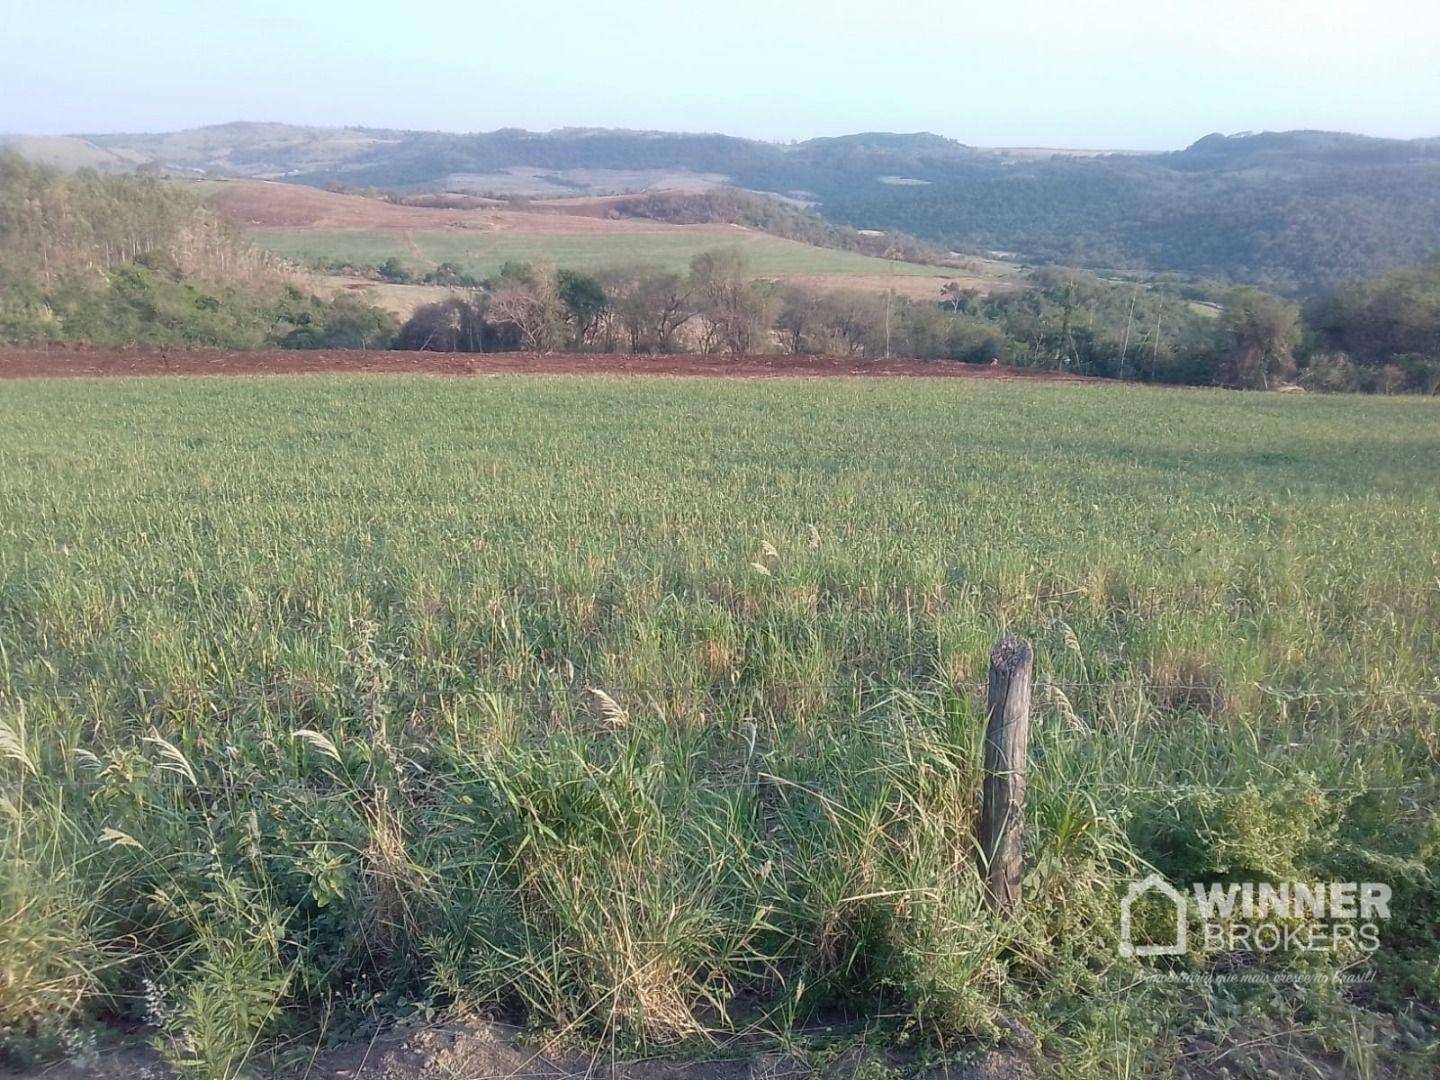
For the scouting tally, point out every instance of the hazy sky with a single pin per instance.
(1104, 73)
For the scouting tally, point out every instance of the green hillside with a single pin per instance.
(483, 253)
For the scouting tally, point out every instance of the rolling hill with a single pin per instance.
(335, 231)
(1295, 211)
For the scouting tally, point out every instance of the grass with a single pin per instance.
(646, 710)
(483, 253)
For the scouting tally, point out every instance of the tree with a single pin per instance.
(525, 302)
(738, 311)
(453, 325)
(797, 318)
(1376, 321)
(585, 305)
(649, 307)
(959, 297)
(1260, 333)
(853, 323)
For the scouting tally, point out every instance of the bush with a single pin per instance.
(153, 303)
(342, 323)
(1331, 373)
(1422, 373)
(134, 304)
(451, 275)
(974, 341)
(24, 313)
(454, 325)
(48, 958)
(395, 272)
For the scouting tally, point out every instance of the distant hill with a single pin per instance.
(72, 152)
(1297, 211)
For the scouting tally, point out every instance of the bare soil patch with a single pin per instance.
(57, 361)
(262, 204)
(296, 209)
(914, 286)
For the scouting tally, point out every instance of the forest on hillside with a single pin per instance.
(126, 259)
(1292, 234)
(1293, 212)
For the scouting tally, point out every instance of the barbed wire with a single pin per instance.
(260, 786)
(879, 684)
(1239, 789)
(860, 684)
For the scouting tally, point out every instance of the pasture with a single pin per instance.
(670, 248)
(327, 229)
(648, 711)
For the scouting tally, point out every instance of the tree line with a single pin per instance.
(718, 306)
(1379, 336)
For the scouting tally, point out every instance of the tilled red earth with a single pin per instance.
(24, 362)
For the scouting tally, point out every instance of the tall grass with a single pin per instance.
(649, 710)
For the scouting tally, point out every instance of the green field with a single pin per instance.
(297, 680)
(482, 253)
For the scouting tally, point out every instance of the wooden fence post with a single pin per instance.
(1007, 743)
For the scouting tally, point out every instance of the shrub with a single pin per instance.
(48, 959)
(454, 325)
(452, 275)
(342, 323)
(395, 272)
(1331, 373)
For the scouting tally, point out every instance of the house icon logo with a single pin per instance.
(1137, 889)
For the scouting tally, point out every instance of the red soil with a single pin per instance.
(21, 362)
(264, 204)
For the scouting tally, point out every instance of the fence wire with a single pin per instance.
(879, 686)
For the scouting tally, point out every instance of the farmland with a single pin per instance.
(647, 711)
(326, 228)
(483, 253)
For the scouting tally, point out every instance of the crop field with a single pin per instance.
(648, 712)
(483, 253)
(320, 227)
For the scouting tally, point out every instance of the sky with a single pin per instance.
(1137, 74)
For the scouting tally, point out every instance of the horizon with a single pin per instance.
(1014, 144)
(1124, 77)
